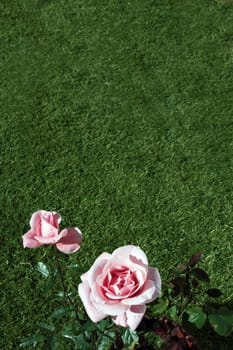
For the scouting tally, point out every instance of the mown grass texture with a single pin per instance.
(118, 115)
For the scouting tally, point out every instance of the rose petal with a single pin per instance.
(48, 230)
(122, 283)
(131, 318)
(128, 255)
(108, 306)
(35, 222)
(150, 291)
(84, 277)
(84, 293)
(52, 218)
(134, 315)
(97, 268)
(153, 274)
(55, 219)
(29, 240)
(69, 240)
(47, 240)
(45, 224)
(120, 320)
(53, 239)
(144, 296)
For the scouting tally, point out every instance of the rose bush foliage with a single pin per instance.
(120, 285)
(117, 285)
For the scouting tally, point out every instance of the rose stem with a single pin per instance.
(59, 269)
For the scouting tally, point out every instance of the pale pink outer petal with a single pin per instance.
(131, 318)
(134, 316)
(29, 240)
(84, 293)
(69, 240)
(154, 275)
(120, 320)
(128, 255)
(35, 222)
(97, 268)
(84, 277)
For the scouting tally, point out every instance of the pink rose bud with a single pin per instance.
(119, 285)
(45, 230)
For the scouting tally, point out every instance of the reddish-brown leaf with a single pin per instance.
(201, 275)
(195, 259)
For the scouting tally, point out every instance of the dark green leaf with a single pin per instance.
(159, 308)
(129, 338)
(197, 316)
(60, 312)
(51, 281)
(201, 275)
(48, 327)
(32, 341)
(104, 324)
(106, 340)
(195, 259)
(61, 294)
(88, 327)
(79, 269)
(222, 321)
(69, 328)
(173, 311)
(79, 341)
(214, 292)
(52, 343)
(43, 269)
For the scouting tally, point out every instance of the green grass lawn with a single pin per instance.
(118, 115)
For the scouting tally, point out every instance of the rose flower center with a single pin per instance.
(120, 282)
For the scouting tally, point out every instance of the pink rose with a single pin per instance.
(45, 230)
(119, 285)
